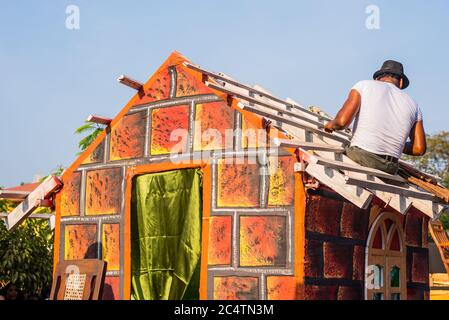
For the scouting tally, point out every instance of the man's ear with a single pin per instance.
(401, 83)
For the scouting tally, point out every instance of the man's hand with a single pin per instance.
(329, 127)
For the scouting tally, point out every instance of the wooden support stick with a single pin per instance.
(99, 119)
(32, 201)
(389, 188)
(130, 82)
(295, 143)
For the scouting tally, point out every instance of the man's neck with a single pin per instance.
(390, 81)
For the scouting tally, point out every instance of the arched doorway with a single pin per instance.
(385, 263)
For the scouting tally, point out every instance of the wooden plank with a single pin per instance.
(31, 216)
(13, 195)
(302, 125)
(295, 143)
(127, 81)
(31, 202)
(389, 188)
(99, 119)
(308, 121)
(351, 167)
(253, 90)
(336, 181)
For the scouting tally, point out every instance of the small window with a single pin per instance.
(394, 277)
(378, 296)
(378, 277)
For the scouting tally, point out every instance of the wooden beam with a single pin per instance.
(389, 188)
(295, 143)
(99, 119)
(13, 195)
(350, 167)
(336, 181)
(253, 90)
(130, 82)
(31, 202)
(317, 126)
(292, 122)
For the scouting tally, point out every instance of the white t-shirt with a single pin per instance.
(386, 116)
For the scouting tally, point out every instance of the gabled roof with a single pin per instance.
(301, 131)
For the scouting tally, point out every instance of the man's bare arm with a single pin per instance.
(417, 145)
(346, 114)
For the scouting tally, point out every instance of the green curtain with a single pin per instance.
(166, 235)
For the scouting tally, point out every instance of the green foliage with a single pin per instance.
(436, 159)
(26, 255)
(92, 130)
(436, 162)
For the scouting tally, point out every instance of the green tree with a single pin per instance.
(92, 130)
(436, 162)
(26, 255)
(436, 159)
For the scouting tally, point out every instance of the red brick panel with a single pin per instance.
(323, 215)
(236, 288)
(313, 264)
(80, 242)
(111, 245)
(337, 260)
(128, 137)
(263, 241)
(354, 222)
(320, 292)
(70, 195)
(413, 228)
(104, 191)
(220, 235)
(281, 288)
(358, 263)
(238, 184)
(170, 130)
(214, 126)
(420, 267)
(350, 293)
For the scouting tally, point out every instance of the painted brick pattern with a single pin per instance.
(128, 137)
(238, 184)
(281, 189)
(220, 236)
(70, 195)
(97, 155)
(110, 242)
(281, 288)
(104, 191)
(262, 241)
(214, 126)
(80, 242)
(236, 288)
(169, 130)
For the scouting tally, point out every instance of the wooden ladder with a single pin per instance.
(441, 240)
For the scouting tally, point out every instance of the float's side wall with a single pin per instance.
(248, 239)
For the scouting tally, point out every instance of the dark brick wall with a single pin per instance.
(336, 235)
(336, 232)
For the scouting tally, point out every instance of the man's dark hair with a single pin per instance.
(386, 74)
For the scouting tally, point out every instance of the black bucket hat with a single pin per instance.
(393, 67)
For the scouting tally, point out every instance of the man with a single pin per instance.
(385, 117)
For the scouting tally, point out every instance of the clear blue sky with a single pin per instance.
(312, 51)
